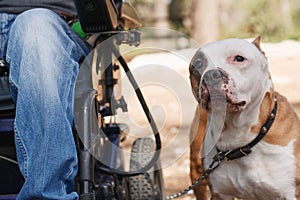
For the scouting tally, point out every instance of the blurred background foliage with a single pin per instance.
(207, 20)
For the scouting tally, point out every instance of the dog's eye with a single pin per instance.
(198, 64)
(239, 58)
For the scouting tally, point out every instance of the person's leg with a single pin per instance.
(43, 54)
(5, 22)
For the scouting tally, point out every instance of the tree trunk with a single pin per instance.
(205, 20)
(161, 13)
(286, 13)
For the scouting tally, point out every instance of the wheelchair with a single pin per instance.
(101, 172)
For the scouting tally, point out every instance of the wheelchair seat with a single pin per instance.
(7, 106)
(6, 102)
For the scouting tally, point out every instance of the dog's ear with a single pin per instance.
(256, 42)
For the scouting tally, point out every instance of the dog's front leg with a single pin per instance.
(196, 166)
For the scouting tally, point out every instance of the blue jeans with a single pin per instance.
(43, 53)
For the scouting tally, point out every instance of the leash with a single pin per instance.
(231, 154)
(218, 158)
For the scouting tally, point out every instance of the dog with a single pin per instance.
(244, 133)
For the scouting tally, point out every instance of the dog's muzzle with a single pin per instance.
(213, 87)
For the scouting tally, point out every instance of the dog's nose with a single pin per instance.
(212, 77)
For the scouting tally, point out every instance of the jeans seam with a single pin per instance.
(22, 149)
(13, 84)
(7, 58)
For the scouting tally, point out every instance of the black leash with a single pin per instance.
(231, 154)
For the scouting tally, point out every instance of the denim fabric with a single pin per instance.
(43, 53)
(5, 22)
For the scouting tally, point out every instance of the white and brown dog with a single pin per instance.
(258, 143)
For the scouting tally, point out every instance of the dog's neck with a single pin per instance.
(242, 127)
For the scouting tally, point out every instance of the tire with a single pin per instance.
(148, 186)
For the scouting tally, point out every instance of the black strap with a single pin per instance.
(245, 150)
(4, 70)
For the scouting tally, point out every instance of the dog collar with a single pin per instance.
(245, 150)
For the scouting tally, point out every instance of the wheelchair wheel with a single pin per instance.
(149, 185)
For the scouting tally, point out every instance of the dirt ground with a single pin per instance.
(164, 81)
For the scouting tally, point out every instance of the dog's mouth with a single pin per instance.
(220, 98)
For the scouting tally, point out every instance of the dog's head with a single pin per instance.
(232, 71)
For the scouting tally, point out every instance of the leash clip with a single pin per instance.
(217, 159)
